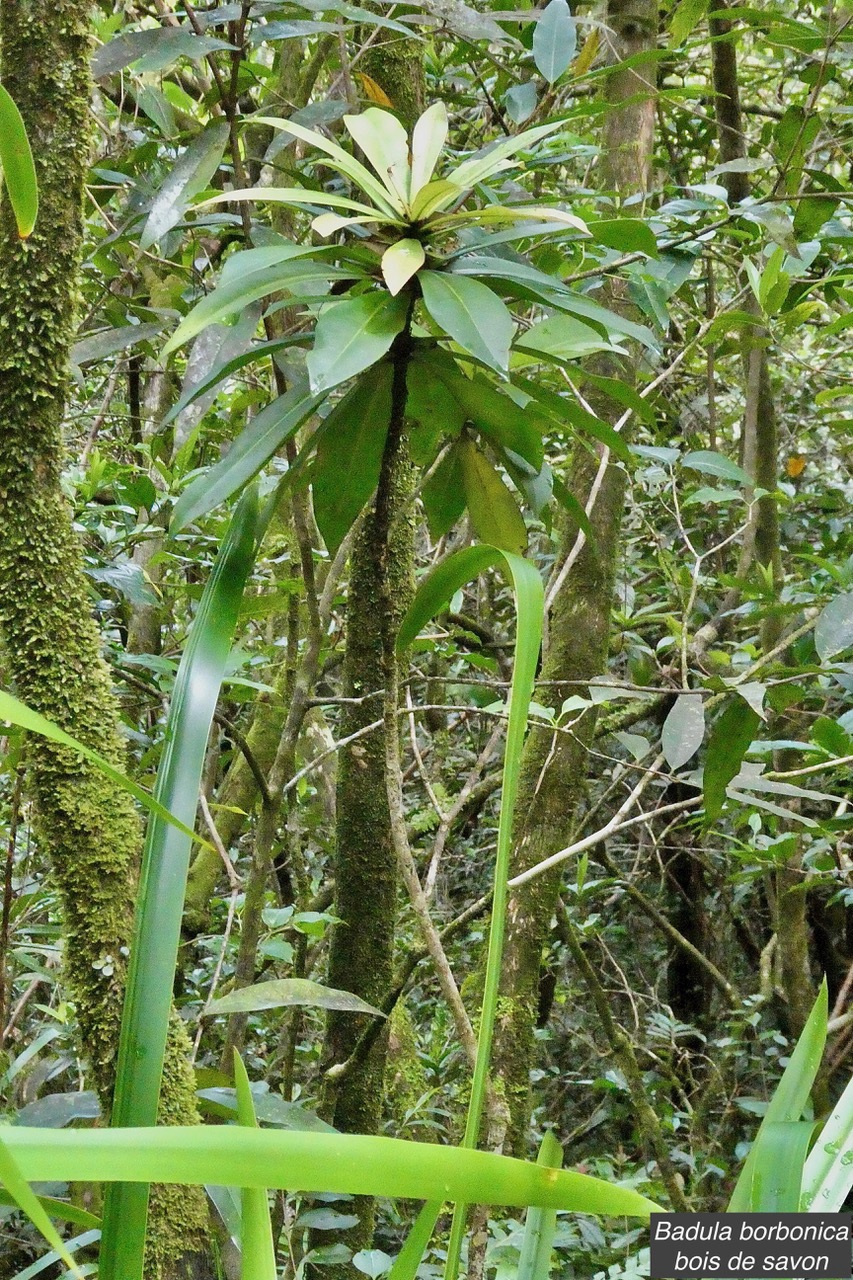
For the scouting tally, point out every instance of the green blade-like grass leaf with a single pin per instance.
(790, 1095)
(61, 1209)
(15, 712)
(256, 1242)
(26, 1199)
(828, 1171)
(165, 862)
(343, 1163)
(353, 335)
(472, 314)
(16, 166)
(541, 1224)
(777, 1171)
(411, 1255)
(252, 450)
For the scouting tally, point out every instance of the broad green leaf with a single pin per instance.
(710, 463)
(409, 1258)
(349, 454)
(162, 885)
(730, 740)
(252, 450)
(685, 19)
(352, 335)
(385, 143)
(828, 1171)
(327, 224)
(563, 409)
(385, 200)
(300, 196)
(153, 50)
(400, 262)
(443, 494)
(186, 179)
(287, 993)
(499, 157)
(372, 1262)
(493, 510)
(472, 314)
(431, 402)
(26, 1200)
(554, 40)
(439, 586)
(493, 413)
(541, 1225)
(778, 1161)
(15, 712)
(498, 213)
(834, 627)
(428, 138)
(344, 1163)
(520, 101)
(569, 503)
(790, 1095)
(16, 166)
(236, 294)
(564, 336)
(683, 729)
(626, 235)
(270, 1108)
(256, 1243)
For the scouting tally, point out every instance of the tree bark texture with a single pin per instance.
(52, 646)
(554, 766)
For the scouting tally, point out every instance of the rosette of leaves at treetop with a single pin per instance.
(408, 289)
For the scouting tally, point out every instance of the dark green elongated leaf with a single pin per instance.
(622, 393)
(578, 304)
(541, 1225)
(344, 1163)
(569, 502)
(777, 1175)
(411, 1255)
(439, 586)
(15, 712)
(790, 1095)
(729, 742)
(16, 166)
(443, 494)
(554, 40)
(153, 50)
(493, 413)
(349, 454)
(300, 270)
(562, 409)
(472, 314)
(494, 514)
(97, 346)
(626, 235)
(249, 452)
(431, 402)
(256, 1242)
(353, 335)
(683, 729)
(226, 369)
(187, 179)
(165, 862)
(28, 1201)
(285, 993)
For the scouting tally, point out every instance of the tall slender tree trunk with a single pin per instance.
(554, 768)
(87, 826)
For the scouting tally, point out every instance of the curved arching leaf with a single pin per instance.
(16, 165)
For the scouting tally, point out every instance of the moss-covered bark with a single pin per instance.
(87, 826)
(553, 772)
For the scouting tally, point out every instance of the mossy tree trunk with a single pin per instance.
(554, 770)
(87, 826)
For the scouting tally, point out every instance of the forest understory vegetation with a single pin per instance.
(426, 632)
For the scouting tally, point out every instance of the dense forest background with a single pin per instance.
(641, 383)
